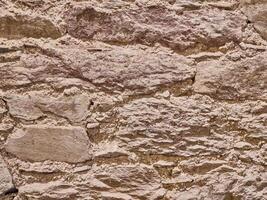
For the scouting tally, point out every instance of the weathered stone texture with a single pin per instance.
(40, 143)
(133, 99)
(5, 178)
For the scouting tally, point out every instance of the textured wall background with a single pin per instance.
(133, 99)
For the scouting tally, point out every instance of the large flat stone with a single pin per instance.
(40, 143)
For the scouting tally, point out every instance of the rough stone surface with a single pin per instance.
(133, 99)
(5, 178)
(256, 12)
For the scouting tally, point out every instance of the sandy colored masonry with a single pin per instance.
(133, 99)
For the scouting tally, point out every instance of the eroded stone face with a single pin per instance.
(244, 79)
(40, 143)
(143, 180)
(112, 68)
(176, 27)
(257, 15)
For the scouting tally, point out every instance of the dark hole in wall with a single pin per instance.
(11, 191)
(248, 21)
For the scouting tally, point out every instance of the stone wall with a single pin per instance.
(133, 99)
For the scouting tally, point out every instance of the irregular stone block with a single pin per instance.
(230, 80)
(23, 107)
(156, 24)
(74, 108)
(142, 179)
(135, 68)
(40, 143)
(5, 177)
(32, 107)
(257, 14)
